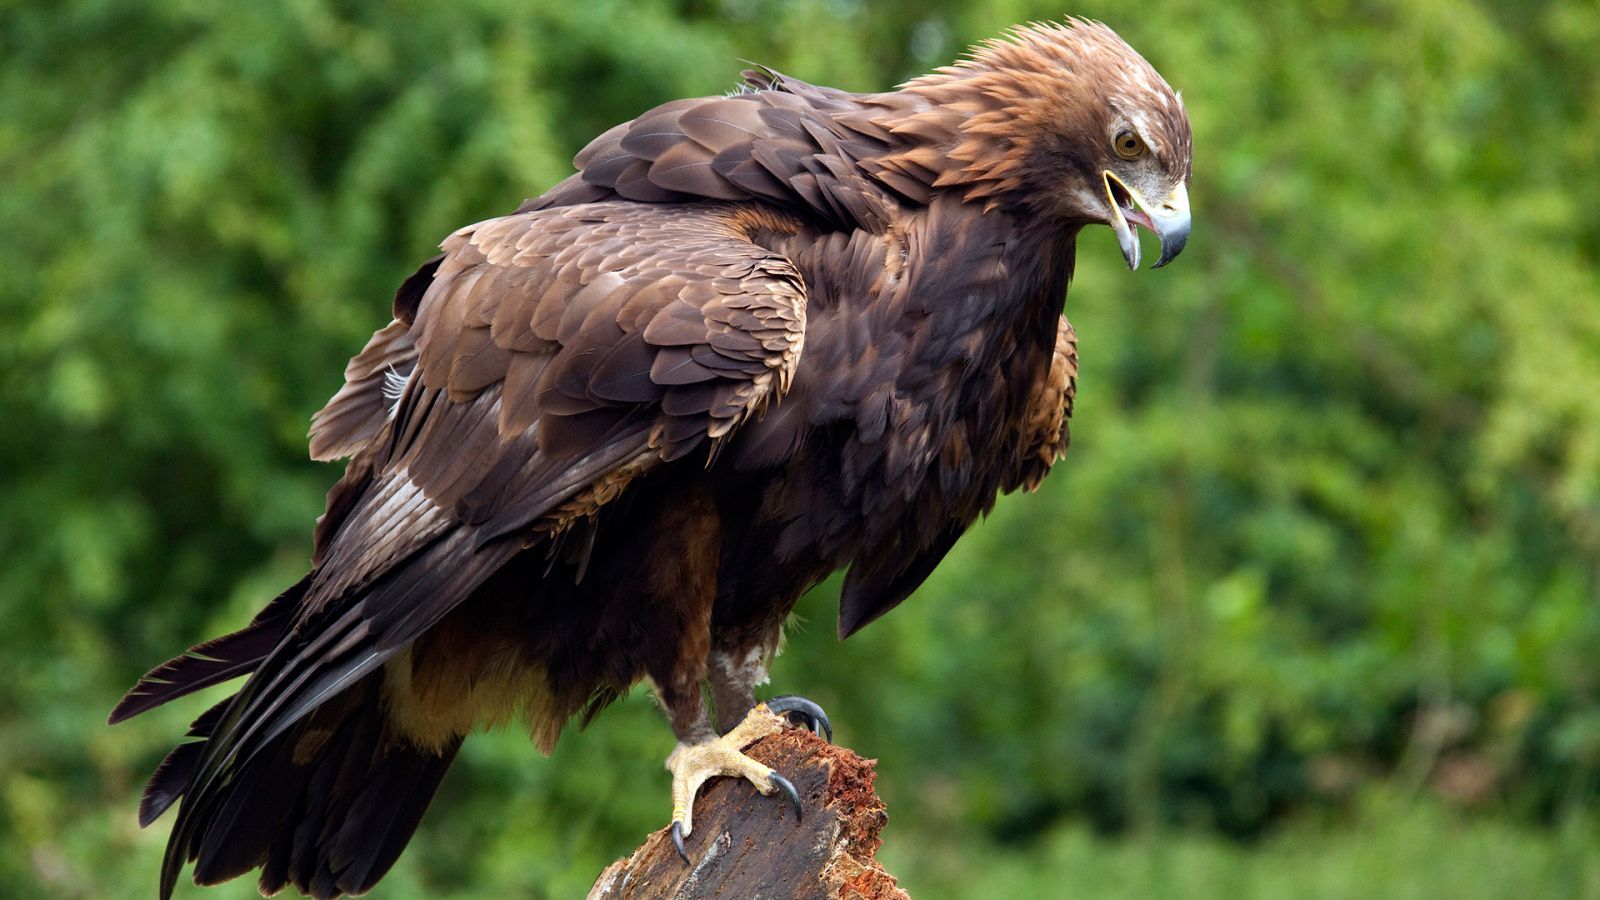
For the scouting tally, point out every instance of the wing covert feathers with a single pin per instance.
(814, 150)
(669, 313)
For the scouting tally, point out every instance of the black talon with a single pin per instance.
(783, 784)
(677, 840)
(808, 713)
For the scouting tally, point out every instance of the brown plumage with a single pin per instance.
(616, 434)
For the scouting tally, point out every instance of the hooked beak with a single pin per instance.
(1169, 220)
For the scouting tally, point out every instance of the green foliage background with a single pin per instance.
(1309, 610)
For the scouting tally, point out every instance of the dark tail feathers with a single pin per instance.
(327, 806)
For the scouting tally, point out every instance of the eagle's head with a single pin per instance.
(1070, 123)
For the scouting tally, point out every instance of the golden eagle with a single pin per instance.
(615, 435)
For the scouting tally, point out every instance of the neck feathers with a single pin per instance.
(999, 124)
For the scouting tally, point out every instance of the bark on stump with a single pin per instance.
(748, 846)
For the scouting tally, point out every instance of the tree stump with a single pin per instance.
(747, 846)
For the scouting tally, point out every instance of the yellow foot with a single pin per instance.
(692, 765)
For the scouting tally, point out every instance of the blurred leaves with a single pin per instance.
(1328, 532)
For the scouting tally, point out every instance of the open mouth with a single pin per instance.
(1122, 200)
(1169, 222)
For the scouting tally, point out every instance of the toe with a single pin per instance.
(692, 764)
(804, 712)
(677, 840)
(787, 787)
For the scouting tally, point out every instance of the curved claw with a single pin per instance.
(806, 711)
(677, 841)
(785, 785)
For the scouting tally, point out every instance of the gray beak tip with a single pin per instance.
(1172, 243)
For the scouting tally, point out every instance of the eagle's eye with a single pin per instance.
(1128, 144)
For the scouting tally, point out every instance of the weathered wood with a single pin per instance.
(745, 845)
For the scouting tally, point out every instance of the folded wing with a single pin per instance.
(551, 358)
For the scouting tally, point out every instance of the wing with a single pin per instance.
(1046, 431)
(558, 356)
(362, 406)
(782, 142)
(374, 377)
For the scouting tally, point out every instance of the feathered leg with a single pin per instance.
(733, 676)
(683, 582)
